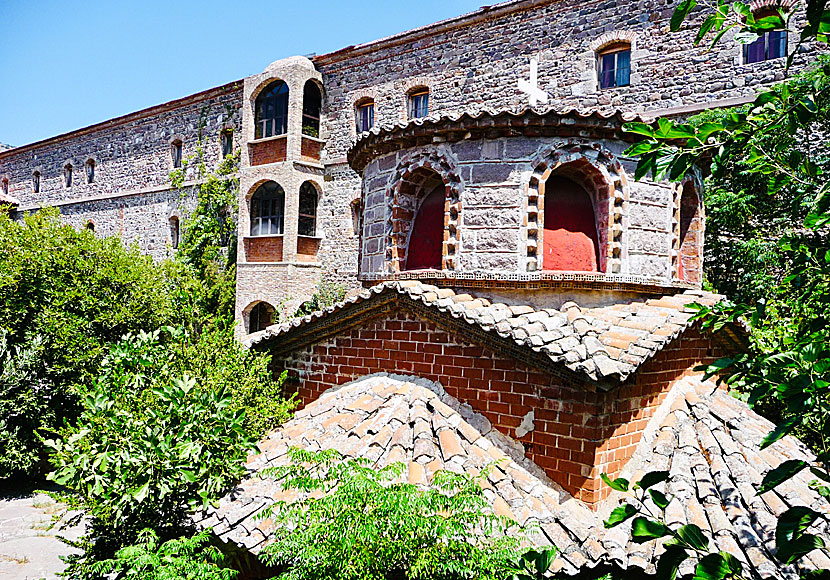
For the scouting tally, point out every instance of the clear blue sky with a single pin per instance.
(66, 64)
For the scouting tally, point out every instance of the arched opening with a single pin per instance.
(176, 153)
(89, 167)
(307, 219)
(418, 103)
(614, 65)
(426, 237)
(36, 182)
(312, 103)
(174, 232)
(67, 175)
(267, 209)
(90, 225)
(364, 115)
(261, 317)
(688, 262)
(570, 240)
(271, 111)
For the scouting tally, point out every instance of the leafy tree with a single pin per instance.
(352, 521)
(789, 361)
(179, 559)
(64, 296)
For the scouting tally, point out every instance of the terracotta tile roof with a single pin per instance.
(707, 440)
(605, 344)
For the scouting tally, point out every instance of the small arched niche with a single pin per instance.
(571, 238)
(421, 209)
(690, 243)
(260, 317)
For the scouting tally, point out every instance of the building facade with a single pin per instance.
(301, 207)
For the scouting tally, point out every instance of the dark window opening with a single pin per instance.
(261, 317)
(355, 206)
(307, 221)
(267, 210)
(570, 241)
(90, 226)
(365, 116)
(5, 187)
(176, 153)
(36, 181)
(614, 66)
(312, 103)
(418, 104)
(271, 111)
(67, 176)
(89, 167)
(770, 45)
(426, 240)
(226, 141)
(174, 232)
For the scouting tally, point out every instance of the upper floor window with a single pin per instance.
(307, 224)
(418, 103)
(36, 181)
(67, 175)
(89, 167)
(770, 45)
(5, 187)
(90, 225)
(176, 153)
(271, 111)
(365, 115)
(614, 65)
(174, 232)
(312, 103)
(226, 142)
(267, 210)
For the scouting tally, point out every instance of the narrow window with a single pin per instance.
(267, 210)
(90, 226)
(36, 182)
(67, 176)
(365, 116)
(271, 111)
(307, 224)
(614, 63)
(355, 206)
(5, 187)
(176, 153)
(689, 263)
(174, 232)
(427, 237)
(312, 102)
(570, 240)
(419, 103)
(261, 317)
(770, 45)
(89, 167)
(226, 142)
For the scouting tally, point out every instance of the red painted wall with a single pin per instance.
(570, 237)
(427, 235)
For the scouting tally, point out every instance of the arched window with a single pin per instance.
(5, 187)
(312, 102)
(570, 240)
(771, 44)
(261, 317)
(89, 167)
(364, 114)
(36, 181)
(226, 142)
(418, 103)
(307, 221)
(67, 175)
(271, 111)
(176, 153)
(267, 210)
(426, 240)
(174, 232)
(614, 65)
(355, 207)
(688, 262)
(90, 225)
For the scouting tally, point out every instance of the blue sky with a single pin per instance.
(67, 64)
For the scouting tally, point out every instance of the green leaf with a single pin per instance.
(644, 530)
(792, 523)
(618, 484)
(670, 561)
(712, 567)
(140, 493)
(652, 478)
(659, 498)
(620, 514)
(680, 14)
(782, 430)
(693, 536)
(780, 474)
(793, 550)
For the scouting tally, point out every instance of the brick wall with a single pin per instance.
(263, 249)
(271, 151)
(579, 433)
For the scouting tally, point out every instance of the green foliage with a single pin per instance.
(327, 294)
(179, 559)
(64, 296)
(351, 521)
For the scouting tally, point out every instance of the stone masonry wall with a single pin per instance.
(578, 433)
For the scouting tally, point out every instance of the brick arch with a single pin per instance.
(257, 325)
(265, 84)
(600, 174)
(688, 221)
(613, 37)
(404, 196)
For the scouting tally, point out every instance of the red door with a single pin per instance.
(427, 235)
(570, 237)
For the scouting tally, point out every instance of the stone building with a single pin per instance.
(299, 201)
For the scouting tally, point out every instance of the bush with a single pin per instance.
(64, 296)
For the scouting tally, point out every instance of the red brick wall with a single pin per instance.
(578, 433)
(310, 148)
(307, 249)
(263, 249)
(271, 151)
